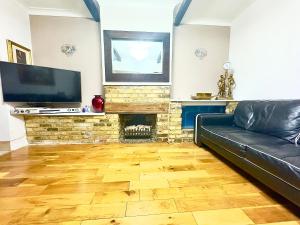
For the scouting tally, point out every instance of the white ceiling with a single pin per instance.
(205, 12)
(215, 12)
(72, 8)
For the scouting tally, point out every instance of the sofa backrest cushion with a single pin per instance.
(277, 118)
(243, 114)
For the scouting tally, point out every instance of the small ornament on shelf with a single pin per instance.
(98, 103)
(202, 96)
(226, 83)
(86, 109)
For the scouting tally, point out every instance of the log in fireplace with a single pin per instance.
(138, 127)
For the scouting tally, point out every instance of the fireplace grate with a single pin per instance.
(138, 131)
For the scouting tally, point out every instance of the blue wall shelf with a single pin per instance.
(190, 112)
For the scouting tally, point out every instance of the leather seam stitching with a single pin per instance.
(273, 174)
(196, 130)
(274, 157)
(224, 137)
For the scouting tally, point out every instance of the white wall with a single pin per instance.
(265, 50)
(12, 130)
(190, 74)
(15, 26)
(137, 15)
(81, 32)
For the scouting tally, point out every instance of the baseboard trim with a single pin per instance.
(8, 146)
(18, 143)
(4, 146)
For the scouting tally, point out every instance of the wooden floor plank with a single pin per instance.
(132, 184)
(273, 214)
(164, 219)
(222, 217)
(150, 207)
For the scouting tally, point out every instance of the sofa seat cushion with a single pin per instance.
(282, 161)
(235, 139)
(219, 135)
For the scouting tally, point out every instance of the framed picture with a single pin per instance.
(18, 53)
(136, 57)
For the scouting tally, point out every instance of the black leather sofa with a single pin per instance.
(260, 138)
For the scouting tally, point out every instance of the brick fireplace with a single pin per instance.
(141, 101)
(108, 128)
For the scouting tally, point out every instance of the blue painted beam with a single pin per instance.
(181, 12)
(94, 9)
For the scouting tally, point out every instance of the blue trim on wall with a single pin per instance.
(181, 12)
(94, 9)
(189, 113)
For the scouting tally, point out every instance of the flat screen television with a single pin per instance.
(36, 84)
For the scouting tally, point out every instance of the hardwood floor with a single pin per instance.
(133, 184)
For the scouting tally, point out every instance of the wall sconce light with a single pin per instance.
(201, 53)
(68, 49)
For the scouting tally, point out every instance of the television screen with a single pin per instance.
(36, 84)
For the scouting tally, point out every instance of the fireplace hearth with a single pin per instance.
(137, 127)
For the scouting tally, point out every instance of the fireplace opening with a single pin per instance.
(138, 127)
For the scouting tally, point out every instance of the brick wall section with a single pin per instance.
(99, 129)
(143, 94)
(105, 129)
(162, 127)
(137, 94)
(72, 129)
(176, 133)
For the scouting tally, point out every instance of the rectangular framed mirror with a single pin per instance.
(133, 57)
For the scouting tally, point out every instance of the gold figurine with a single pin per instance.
(226, 84)
(221, 86)
(231, 85)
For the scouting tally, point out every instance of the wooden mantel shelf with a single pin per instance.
(145, 108)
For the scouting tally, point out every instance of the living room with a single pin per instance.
(149, 112)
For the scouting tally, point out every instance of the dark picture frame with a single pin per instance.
(111, 77)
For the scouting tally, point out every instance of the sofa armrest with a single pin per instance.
(215, 119)
(211, 119)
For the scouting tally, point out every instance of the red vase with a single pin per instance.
(98, 103)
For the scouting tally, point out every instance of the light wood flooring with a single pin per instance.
(133, 184)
